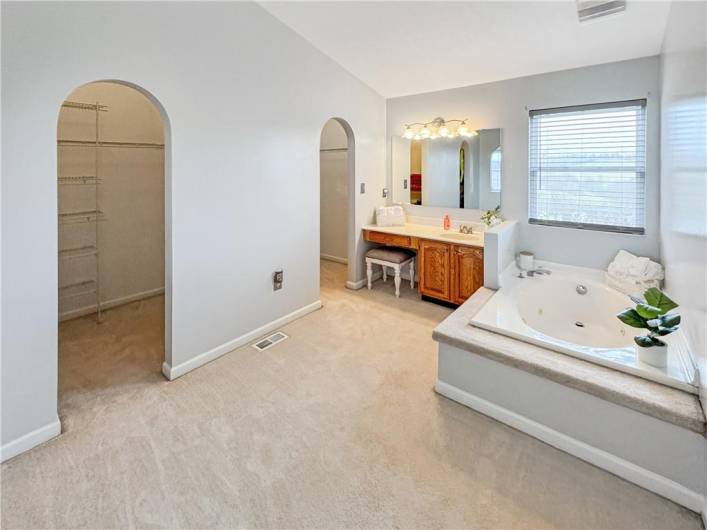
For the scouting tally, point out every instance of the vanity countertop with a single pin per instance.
(434, 233)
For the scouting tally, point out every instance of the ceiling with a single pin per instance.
(401, 48)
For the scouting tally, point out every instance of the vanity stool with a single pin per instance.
(396, 259)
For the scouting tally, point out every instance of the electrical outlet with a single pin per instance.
(277, 279)
(405, 184)
(363, 188)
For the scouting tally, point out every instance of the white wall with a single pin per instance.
(130, 195)
(505, 105)
(246, 100)
(334, 198)
(683, 183)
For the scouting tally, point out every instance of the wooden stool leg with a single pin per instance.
(385, 273)
(397, 281)
(412, 274)
(369, 272)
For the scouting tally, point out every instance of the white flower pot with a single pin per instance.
(655, 355)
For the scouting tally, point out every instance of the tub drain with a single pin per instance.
(579, 324)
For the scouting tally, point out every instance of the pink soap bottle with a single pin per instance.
(447, 222)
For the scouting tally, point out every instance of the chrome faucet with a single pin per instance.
(533, 272)
(466, 229)
(538, 272)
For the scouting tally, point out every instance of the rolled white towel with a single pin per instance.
(638, 267)
(617, 271)
(627, 266)
(630, 286)
(654, 271)
(390, 216)
(621, 264)
(624, 259)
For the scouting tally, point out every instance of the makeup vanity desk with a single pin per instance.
(450, 265)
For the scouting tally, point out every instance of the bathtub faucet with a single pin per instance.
(538, 272)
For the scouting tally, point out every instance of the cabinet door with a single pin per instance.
(435, 269)
(468, 272)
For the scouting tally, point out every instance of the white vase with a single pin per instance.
(655, 355)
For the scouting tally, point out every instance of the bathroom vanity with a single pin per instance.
(450, 264)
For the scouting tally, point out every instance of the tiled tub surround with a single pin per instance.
(548, 310)
(649, 434)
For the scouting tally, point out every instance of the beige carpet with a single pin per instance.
(337, 427)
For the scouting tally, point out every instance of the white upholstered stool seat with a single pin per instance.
(396, 259)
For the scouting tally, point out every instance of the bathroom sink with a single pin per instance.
(459, 235)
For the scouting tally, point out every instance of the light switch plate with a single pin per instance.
(385, 193)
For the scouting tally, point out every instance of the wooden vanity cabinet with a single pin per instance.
(435, 269)
(446, 271)
(450, 272)
(467, 272)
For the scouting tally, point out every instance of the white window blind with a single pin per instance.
(496, 170)
(588, 166)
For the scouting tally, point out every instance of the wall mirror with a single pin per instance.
(458, 172)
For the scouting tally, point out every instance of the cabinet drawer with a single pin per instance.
(388, 239)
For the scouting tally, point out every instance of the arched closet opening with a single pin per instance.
(111, 245)
(337, 203)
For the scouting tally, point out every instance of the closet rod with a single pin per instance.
(84, 106)
(334, 149)
(89, 143)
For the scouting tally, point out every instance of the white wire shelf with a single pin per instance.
(90, 143)
(78, 252)
(84, 106)
(84, 283)
(81, 216)
(80, 180)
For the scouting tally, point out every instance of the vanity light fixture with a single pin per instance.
(438, 128)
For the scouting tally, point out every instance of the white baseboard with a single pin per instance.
(30, 440)
(335, 259)
(173, 372)
(360, 284)
(355, 286)
(109, 304)
(602, 459)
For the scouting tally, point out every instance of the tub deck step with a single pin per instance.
(653, 399)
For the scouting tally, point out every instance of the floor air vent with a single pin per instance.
(264, 343)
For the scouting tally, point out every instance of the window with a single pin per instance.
(496, 170)
(588, 166)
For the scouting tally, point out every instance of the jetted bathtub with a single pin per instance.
(572, 311)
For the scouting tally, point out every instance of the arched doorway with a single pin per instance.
(114, 243)
(337, 202)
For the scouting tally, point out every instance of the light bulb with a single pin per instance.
(409, 133)
(463, 129)
(473, 133)
(444, 131)
(434, 135)
(425, 132)
(416, 137)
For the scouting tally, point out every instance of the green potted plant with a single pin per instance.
(652, 313)
(492, 217)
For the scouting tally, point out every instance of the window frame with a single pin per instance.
(532, 177)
